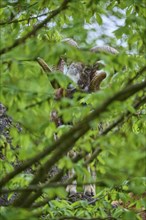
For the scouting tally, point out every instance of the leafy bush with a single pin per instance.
(109, 123)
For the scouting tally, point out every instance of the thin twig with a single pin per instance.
(24, 19)
(35, 188)
(22, 40)
(136, 76)
(113, 125)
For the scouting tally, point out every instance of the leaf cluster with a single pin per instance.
(108, 125)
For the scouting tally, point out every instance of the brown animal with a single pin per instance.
(87, 79)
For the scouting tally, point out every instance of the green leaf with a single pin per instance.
(99, 19)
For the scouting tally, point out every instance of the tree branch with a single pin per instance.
(22, 40)
(53, 182)
(65, 143)
(35, 188)
(113, 125)
(136, 76)
(24, 19)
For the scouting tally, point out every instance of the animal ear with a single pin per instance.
(105, 48)
(48, 71)
(44, 65)
(71, 42)
(96, 80)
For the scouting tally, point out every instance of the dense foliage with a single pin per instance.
(28, 152)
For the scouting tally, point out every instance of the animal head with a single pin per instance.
(86, 78)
